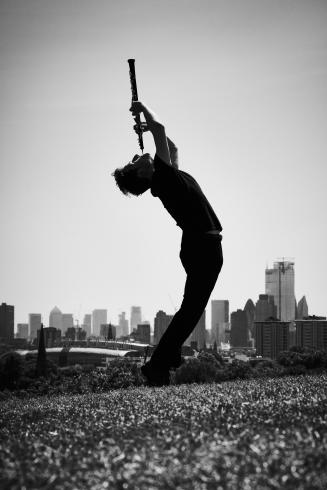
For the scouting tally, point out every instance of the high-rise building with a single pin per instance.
(22, 330)
(161, 322)
(311, 332)
(123, 324)
(55, 319)
(86, 326)
(52, 336)
(99, 317)
(67, 321)
(108, 331)
(143, 334)
(280, 285)
(219, 320)
(198, 335)
(302, 308)
(136, 317)
(239, 329)
(249, 309)
(34, 324)
(265, 308)
(272, 337)
(7, 322)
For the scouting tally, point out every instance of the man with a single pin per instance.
(201, 251)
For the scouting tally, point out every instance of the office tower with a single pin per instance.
(67, 321)
(161, 322)
(7, 319)
(99, 317)
(219, 320)
(311, 332)
(108, 331)
(271, 338)
(22, 330)
(280, 285)
(143, 334)
(80, 333)
(52, 336)
(70, 333)
(55, 319)
(123, 324)
(34, 324)
(239, 329)
(302, 308)
(104, 331)
(265, 308)
(249, 309)
(87, 322)
(198, 336)
(136, 317)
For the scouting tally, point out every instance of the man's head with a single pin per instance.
(135, 178)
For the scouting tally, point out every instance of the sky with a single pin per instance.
(241, 88)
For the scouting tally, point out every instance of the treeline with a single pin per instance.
(20, 377)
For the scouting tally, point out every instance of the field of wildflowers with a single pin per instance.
(244, 434)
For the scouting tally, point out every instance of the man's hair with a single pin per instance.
(128, 181)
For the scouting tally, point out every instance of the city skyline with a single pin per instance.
(270, 286)
(241, 89)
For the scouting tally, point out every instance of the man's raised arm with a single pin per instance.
(173, 150)
(157, 129)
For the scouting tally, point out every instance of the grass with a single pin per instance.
(257, 434)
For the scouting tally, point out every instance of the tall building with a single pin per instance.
(271, 338)
(34, 324)
(136, 317)
(108, 331)
(198, 335)
(99, 317)
(161, 322)
(52, 336)
(265, 308)
(280, 285)
(249, 309)
(87, 322)
(311, 332)
(143, 333)
(55, 319)
(219, 320)
(302, 308)
(123, 324)
(7, 322)
(22, 330)
(67, 322)
(239, 329)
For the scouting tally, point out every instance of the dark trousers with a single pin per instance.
(202, 259)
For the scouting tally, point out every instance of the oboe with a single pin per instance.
(137, 118)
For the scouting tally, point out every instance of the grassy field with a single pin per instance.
(257, 434)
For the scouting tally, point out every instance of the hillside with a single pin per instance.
(256, 434)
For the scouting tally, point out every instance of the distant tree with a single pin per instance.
(215, 347)
(110, 333)
(41, 362)
(11, 368)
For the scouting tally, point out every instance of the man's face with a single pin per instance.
(143, 163)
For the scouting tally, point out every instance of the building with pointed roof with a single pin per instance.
(302, 308)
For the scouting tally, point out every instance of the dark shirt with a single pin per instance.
(183, 198)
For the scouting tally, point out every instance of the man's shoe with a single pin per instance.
(155, 377)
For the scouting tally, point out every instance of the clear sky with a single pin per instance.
(241, 89)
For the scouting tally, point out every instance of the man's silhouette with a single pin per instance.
(201, 252)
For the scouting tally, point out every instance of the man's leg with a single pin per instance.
(201, 279)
